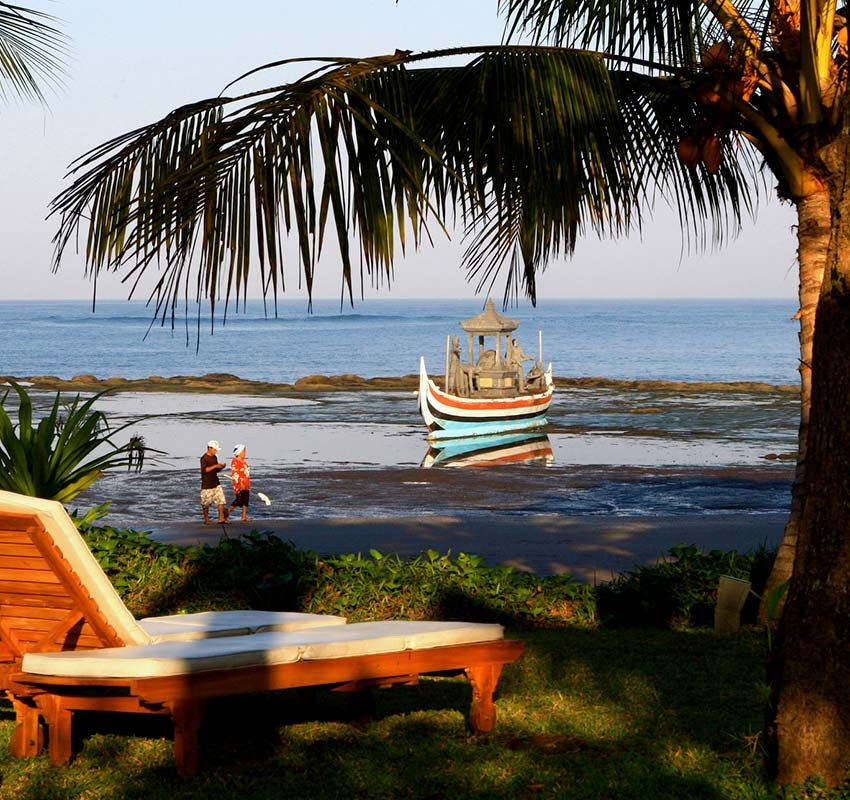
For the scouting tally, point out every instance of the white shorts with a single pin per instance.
(212, 497)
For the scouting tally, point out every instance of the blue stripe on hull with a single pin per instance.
(451, 429)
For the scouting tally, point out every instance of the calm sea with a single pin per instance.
(690, 340)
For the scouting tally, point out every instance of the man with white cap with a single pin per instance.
(211, 491)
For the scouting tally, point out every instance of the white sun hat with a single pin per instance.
(238, 449)
(214, 444)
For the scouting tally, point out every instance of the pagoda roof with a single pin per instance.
(489, 321)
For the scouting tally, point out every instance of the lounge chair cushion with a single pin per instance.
(211, 624)
(276, 647)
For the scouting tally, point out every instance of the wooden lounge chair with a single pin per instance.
(55, 596)
(67, 643)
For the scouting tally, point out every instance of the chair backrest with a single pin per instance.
(53, 593)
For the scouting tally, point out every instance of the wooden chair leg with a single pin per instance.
(482, 713)
(28, 736)
(187, 716)
(59, 720)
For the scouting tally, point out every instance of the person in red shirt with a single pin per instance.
(240, 475)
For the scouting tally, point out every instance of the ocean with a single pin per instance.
(611, 450)
(687, 340)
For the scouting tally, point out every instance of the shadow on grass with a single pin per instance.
(584, 713)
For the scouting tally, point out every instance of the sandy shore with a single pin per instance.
(591, 548)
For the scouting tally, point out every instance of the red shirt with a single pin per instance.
(240, 474)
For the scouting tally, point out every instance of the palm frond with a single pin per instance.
(32, 52)
(525, 147)
(673, 33)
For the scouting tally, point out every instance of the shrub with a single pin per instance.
(259, 570)
(681, 590)
(439, 587)
(61, 456)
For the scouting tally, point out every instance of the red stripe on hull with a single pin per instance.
(490, 405)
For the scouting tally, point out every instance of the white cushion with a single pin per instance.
(184, 657)
(209, 624)
(367, 638)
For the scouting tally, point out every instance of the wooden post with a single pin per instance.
(731, 596)
(187, 716)
(482, 712)
(59, 719)
(448, 356)
(28, 737)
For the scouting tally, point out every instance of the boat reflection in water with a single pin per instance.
(491, 451)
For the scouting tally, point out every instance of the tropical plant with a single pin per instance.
(65, 453)
(611, 107)
(32, 52)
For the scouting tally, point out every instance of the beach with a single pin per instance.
(623, 472)
(590, 548)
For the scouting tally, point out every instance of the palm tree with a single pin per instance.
(610, 108)
(31, 52)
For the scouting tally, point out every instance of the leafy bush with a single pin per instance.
(262, 571)
(259, 570)
(681, 590)
(438, 587)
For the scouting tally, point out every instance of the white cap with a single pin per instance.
(214, 444)
(238, 449)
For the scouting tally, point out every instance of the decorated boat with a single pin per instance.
(488, 391)
(491, 451)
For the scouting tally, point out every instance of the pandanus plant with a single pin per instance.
(65, 452)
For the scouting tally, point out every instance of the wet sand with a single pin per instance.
(635, 468)
(590, 548)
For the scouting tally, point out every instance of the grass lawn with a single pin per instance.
(585, 713)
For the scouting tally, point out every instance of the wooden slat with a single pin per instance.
(82, 599)
(24, 562)
(65, 633)
(43, 600)
(31, 624)
(15, 537)
(23, 550)
(33, 589)
(18, 522)
(29, 639)
(8, 611)
(10, 639)
(27, 575)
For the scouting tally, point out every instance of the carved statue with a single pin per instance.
(515, 359)
(458, 372)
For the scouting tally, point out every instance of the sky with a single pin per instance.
(133, 61)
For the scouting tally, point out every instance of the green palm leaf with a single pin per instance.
(524, 147)
(32, 52)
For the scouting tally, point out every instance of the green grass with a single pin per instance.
(591, 710)
(585, 713)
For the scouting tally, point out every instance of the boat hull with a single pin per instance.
(491, 451)
(449, 416)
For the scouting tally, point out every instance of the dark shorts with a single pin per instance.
(242, 498)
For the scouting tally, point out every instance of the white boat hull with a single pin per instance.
(449, 416)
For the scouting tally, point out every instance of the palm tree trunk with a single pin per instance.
(813, 232)
(812, 663)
